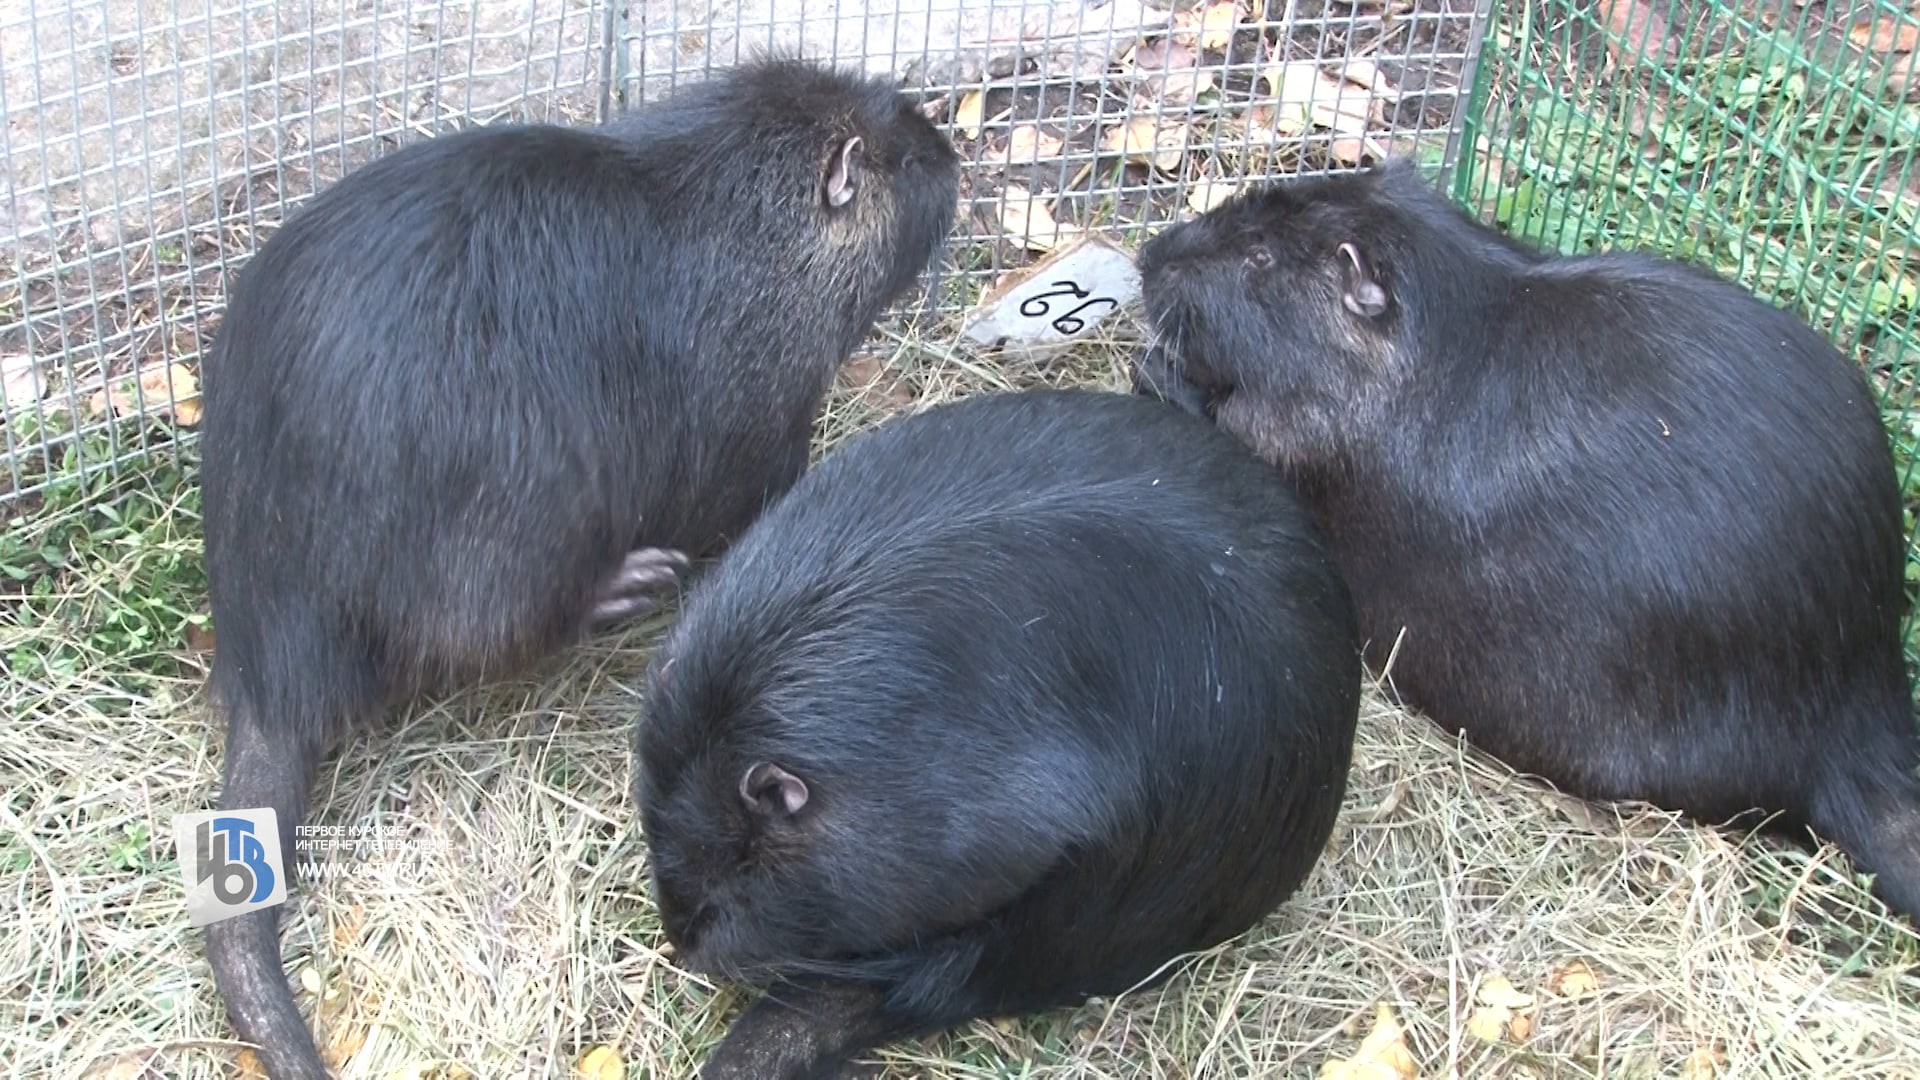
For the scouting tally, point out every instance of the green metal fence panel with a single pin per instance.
(1770, 140)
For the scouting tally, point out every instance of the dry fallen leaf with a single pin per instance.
(868, 377)
(1025, 145)
(1217, 25)
(1204, 195)
(200, 639)
(1266, 127)
(601, 1063)
(1702, 1064)
(174, 383)
(1300, 87)
(1025, 217)
(346, 1041)
(1495, 990)
(1642, 32)
(1163, 54)
(1363, 72)
(123, 1067)
(1903, 76)
(1143, 141)
(1348, 150)
(246, 1065)
(1888, 33)
(1574, 979)
(20, 379)
(1382, 1055)
(1488, 1023)
(1174, 66)
(1211, 27)
(971, 113)
(1504, 1011)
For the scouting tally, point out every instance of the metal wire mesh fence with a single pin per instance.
(1771, 142)
(150, 147)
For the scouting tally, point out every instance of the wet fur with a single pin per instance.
(453, 393)
(1641, 530)
(1067, 686)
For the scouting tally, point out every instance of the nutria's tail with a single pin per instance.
(270, 762)
(1869, 804)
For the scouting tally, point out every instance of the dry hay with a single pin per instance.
(530, 940)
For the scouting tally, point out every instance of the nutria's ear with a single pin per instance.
(1360, 290)
(842, 173)
(772, 792)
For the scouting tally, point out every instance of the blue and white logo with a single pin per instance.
(232, 862)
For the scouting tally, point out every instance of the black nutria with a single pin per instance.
(1006, 704)
(501, 385)
(1625, 525)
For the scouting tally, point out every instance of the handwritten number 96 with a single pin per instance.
(1070, 323)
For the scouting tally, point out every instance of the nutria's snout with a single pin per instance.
(1160, 373)
(692, 943)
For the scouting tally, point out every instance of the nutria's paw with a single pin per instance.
(635, 589)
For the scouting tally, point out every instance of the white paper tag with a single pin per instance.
(1057, 301)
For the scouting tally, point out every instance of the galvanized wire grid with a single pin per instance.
(150, 147)
(1774, 144)
(1114, 119)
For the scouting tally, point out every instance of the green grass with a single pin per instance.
(103, 571)
(1753, 155)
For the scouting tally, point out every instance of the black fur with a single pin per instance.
(1045, 688)
(1641, 530)
(491, 389)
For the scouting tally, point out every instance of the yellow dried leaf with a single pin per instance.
(1301, 88)
(1182, 87)
(123, 1067)
(20, 379)
(246, 1065)
(1520, 1027)
(1489, 1022)
(1025, 217)
(1365, 73)
(1574, 979)
(1702, 1064)
(1267, 126)
(971, 113)
(346, 1041)
(1207, 194)
(1142, 141)
(1382, 1055)
(1888, 33)
(1025, 145)
(173, 383)
(347, 930)
(1173, 66)
(1497, 991)
(601, 1063)
(1151, 57)
(1217, 24)
(1348, 150)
